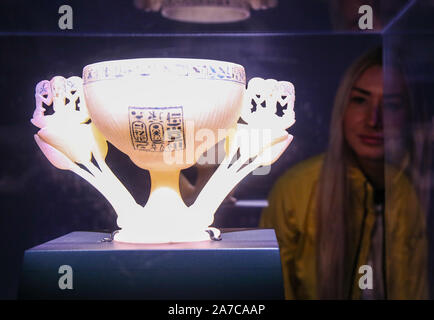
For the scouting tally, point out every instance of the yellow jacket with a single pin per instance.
(291, 212)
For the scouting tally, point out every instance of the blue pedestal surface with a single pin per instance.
(245, 264)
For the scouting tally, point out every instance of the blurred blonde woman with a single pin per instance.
(332, 222)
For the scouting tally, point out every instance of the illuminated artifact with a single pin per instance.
(205, 11)
(164, 114)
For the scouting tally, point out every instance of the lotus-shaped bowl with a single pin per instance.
(151, 108)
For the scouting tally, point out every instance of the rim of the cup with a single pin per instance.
(163, 59)
(105, 74)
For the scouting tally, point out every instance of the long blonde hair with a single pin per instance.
(333, 274)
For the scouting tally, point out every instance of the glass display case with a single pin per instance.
(309, 43)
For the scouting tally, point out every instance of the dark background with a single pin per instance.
(299, 41)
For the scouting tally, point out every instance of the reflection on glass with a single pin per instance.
(350, 225)
(205, 11)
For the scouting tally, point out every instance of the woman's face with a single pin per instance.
(363, 118)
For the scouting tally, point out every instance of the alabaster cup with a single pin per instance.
(150, 107)
(164, 114)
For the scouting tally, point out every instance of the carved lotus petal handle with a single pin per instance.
(67, 129)
(269, 104)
